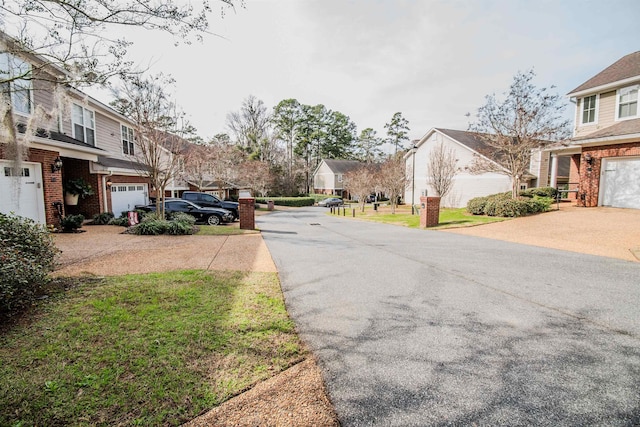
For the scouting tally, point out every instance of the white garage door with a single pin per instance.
(620, 185)
(21, 191)
(124, 197)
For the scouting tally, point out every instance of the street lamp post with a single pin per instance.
(413, 178)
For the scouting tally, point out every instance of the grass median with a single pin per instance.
(152, 349)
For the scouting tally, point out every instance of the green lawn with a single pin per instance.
(449, 218)
(154, 349)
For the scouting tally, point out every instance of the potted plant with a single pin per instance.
(76, 188)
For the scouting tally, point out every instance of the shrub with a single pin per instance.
(476, 206)
(539, 192)
(179, 228)
(102, 218)
(27, 255)
(71, 223)
(504, 205)
(182, 217)
(150, 227)
(122, 221)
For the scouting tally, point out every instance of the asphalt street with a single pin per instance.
(425, 328)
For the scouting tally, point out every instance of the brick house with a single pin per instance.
(604, 151)
(86, 138)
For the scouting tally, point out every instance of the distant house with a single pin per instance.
(328, 178)
(604, 151)
(466, 186)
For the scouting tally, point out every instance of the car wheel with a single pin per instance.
(213, 220)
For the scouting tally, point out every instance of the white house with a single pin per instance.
(466, 185)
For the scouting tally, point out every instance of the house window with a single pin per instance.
(127, 140)
(589, 109)
(84, 124)
(339, 177)
(17, 76)
(627, 102)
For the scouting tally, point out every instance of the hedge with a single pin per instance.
(539, 192)
(503, 205)
(287, 201)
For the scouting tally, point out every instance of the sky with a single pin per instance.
(434, 61)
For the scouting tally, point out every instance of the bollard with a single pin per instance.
(353, 212)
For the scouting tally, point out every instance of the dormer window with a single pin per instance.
(16, 77)
(589, 109)
(627, 102)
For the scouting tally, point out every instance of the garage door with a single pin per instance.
(124, 197)
(21, 190)
(621, 183)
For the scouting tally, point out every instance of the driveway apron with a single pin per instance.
(419, 327)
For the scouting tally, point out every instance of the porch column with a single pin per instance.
(554, 170)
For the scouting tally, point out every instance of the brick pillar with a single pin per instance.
(247, 213)
(429, 211)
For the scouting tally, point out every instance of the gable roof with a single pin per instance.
(469, 139)
(626, 67)
(342, 166)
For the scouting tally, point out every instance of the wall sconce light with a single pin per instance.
(109, 183)
(56, 165)
(588, 158)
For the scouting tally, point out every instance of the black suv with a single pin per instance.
(211, 201)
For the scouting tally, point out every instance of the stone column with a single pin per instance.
(429, 211)
(247, 213)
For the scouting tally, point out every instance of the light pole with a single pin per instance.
(413, 177)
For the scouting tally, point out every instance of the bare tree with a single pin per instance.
(360, 183)
(257, 175)
(392, 179)
(441, 169)
(159, 128)
(197, 162)
(528, 118)
(251, 128)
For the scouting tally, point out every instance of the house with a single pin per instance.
(465, 146)
(66, 135)
(328, 176)
(604, 151)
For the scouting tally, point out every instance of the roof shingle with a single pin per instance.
(624, 68)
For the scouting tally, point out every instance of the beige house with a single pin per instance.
(604, 151)
(328, 176)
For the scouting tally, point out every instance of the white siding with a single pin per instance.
(466, 185)
(324, 178)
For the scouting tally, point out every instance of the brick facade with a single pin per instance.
(89, 206)
(589, 175)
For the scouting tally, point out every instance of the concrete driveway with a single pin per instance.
(105, 251)
(415, 327)
(610, 232)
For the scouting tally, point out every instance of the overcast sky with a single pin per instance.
(434, 61)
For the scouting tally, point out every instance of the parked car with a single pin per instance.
(211, 201)
(211, 216)
(331, 201)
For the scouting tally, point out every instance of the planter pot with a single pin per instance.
(71, 199)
